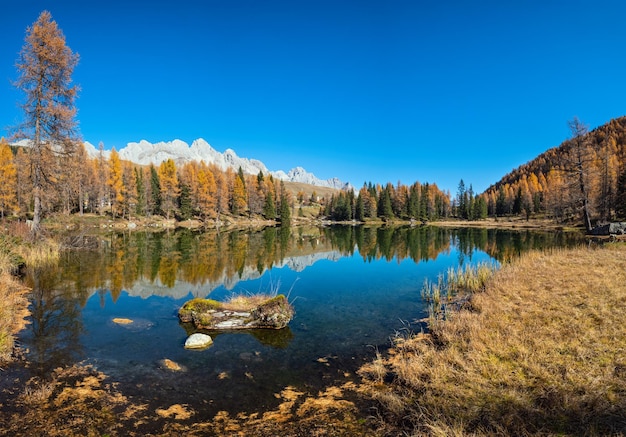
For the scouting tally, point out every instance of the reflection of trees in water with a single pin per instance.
(56, 323)
(213, 257)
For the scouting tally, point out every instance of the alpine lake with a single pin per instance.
(352, 288)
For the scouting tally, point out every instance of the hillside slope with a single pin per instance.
(551, 183)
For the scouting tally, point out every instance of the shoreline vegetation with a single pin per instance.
(17, 251)
(539, 349)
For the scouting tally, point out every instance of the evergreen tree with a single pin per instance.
(501, 203)
(285, 211)
(461, 201)
(269, 210)
(141, 193)
(155, 188)
(385, 209)
(184, 202)
(359, 213)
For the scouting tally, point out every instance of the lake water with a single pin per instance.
(352, 289)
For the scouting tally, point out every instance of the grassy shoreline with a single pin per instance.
(17, 251)
(542, 351)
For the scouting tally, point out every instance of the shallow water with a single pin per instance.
(352, 288)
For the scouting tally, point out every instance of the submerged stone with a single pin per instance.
(272, 312)
(198, 341)
(122, 321)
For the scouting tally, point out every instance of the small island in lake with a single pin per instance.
(240, 312)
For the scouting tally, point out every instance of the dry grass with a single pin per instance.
(246, 302)
(13, 312)
(16, 250)
(541, 351)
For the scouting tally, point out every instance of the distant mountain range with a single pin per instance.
(146, 153)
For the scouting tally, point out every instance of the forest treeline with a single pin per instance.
(108, 185)
(105, 184)
(551, 183)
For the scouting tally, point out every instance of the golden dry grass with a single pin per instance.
(13, 312)
(541, 351)
(16, 249)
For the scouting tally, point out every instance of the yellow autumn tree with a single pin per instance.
(115, 182)
(8, 178)
(129, 189)
(239, 199)
(169, 187)
(207, 191)
(45, 66)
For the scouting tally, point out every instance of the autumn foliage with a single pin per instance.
(550, 184)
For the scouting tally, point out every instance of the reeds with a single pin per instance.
(452, 291)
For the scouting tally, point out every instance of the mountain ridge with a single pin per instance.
(146, 153)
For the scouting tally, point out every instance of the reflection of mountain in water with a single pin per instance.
(145, 288)
(176, 263)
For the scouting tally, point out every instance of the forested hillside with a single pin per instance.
(588, 171)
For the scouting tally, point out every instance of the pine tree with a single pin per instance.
(184, 202)
(8, 180)
(46, 65)
(141, 192)
(269, 210)
(155, 191)
(285, 210)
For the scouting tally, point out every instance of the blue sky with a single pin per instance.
(362, 90)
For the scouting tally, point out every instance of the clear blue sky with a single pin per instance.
(362, 90)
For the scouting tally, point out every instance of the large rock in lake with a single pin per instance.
(242, 312)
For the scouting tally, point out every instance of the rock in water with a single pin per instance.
(251, 312)
(198, 341)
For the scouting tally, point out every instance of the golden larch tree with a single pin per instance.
(169, 186)
(8, 180)
(207, 191)
(45, 68)
(115, 182)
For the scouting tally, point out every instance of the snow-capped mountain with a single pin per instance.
(145, 153)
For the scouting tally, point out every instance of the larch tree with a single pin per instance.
(207, 192)
(8, 178)
(45, 68)
(115, 182)
(578, 167)
(170, 188)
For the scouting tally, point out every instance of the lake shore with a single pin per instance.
(95, 222)
(540, 351)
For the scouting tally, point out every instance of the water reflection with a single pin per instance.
(55, 323)
(174, 263)
(350, 298)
